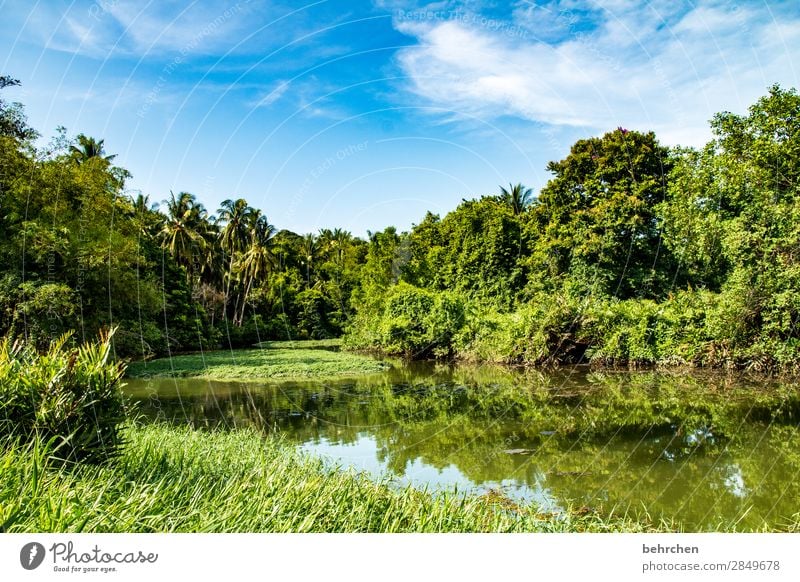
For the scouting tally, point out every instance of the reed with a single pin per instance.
(171, 479)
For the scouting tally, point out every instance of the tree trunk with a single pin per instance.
(244, 300)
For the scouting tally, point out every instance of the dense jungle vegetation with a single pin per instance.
(632, 254)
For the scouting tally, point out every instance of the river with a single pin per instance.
(704, 452)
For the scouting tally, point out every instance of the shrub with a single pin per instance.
(68, 395)
(545, 330)
(402, 326)
(419, 323)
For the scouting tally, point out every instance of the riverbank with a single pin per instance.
(284, 360)
(180, 480)
(693, 329)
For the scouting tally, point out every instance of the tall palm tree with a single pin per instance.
(89, 148)
(212, 271)
(308, 250)
(142, 204)
(342, 240)
(518, 197)
(233, 236)
(258, 260)
(335, 244)
(234, 215)
(146, 214)
(183, 232)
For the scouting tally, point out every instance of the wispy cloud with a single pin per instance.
(613, 63)
(273, 95)
(120, 27)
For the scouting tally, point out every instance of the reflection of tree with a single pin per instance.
(678, 445)
(713, 490)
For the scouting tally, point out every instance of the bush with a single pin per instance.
(68, 395)
(414, 322)
(545, 330)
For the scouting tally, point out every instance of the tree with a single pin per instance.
(755, 164)
(309, 250)
(258, 260)
(518, 197)
(234, 236)
(475, 249)
(89, 148)
(182, 232)
(694, 219)
(597, 219)
(12, 116)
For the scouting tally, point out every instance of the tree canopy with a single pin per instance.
(632, 250)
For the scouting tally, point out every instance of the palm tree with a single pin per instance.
(141, 204)
(183, 232)
(234, 234)
(212, 271)
(258, 259)
(146, 214)
(308, 250)
(89, 148)
(335, 242)
(518, 196)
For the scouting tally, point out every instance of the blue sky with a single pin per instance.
(362, 114)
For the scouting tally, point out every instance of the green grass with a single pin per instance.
(180, 480)
(297, 362)
(323, 344)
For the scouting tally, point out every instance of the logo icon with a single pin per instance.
(31, 555)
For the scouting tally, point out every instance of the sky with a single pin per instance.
(364, 114)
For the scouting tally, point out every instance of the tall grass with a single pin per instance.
(67, 395)
(179, 480)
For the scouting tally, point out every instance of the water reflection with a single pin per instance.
(708, 452)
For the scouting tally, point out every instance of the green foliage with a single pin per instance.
(538, 332)
(12, 116)
(756, 160)
(597, 216)
(81, 256)
(317, 316)
(419, 323)
(475, 250)
(603, 265)
(631, 255)
(69, 396)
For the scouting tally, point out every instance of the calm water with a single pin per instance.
(705, 451)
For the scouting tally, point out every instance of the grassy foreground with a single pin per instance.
(295, 361)
(179, 480)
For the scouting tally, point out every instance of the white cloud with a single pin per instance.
(615, 63)
(275, 94)
(128, 26)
